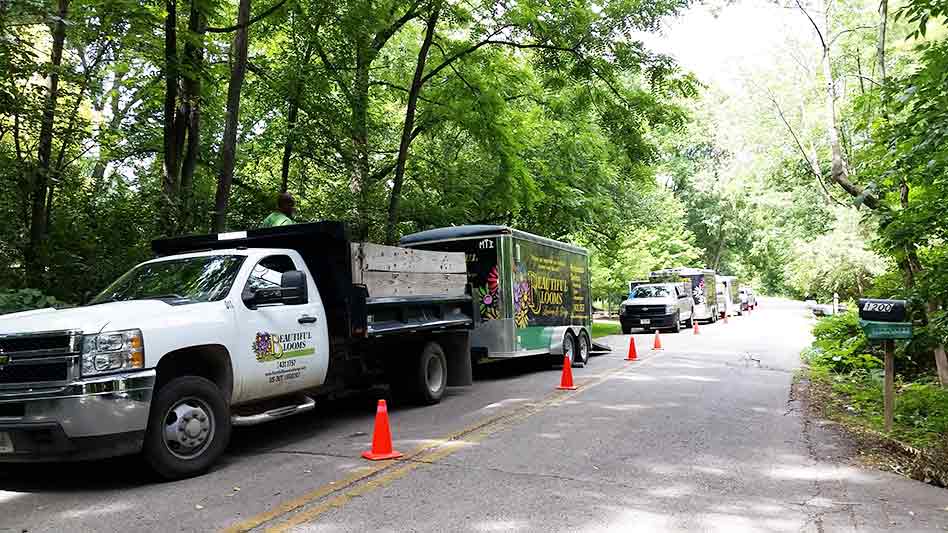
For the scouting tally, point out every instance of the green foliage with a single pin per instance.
(836, 262)
(661, 239)
(840, 345)
(12, 301)
(602, 329)
(921, 408)
(538, 115)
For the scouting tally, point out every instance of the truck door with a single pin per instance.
(285, 341)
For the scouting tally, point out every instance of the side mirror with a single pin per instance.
(292, 291)
(293, 287)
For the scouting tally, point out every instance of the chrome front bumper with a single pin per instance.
(95, 417)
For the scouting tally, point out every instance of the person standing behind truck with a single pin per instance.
(283, 216)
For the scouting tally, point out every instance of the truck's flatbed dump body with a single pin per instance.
(369, 290)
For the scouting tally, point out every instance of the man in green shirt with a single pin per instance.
(286, 205)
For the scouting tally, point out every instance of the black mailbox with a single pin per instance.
(882, 310)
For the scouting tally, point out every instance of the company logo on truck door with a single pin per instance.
(273, 346)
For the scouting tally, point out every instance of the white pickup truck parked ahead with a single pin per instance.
(224, 330)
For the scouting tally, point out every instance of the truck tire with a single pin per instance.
(583, 347)
(690, 323)
(188, 429)
(676, 327)
(626, 330)
(431, 374)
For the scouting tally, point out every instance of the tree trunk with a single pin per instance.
(231, 122)
(880, 46)
(291, 116)
(35, 256)
(837, 169)
(194, 56)
(360, 141)
(941, 360)
(409, 125)
(169, 181)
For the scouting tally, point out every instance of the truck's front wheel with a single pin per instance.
(431, 376)
(188, 429)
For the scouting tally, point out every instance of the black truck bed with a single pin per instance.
(327, 251)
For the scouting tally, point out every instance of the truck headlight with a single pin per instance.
(669, 309)
(112, 351)
(622, 309)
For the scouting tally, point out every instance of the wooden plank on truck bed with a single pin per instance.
(372, 257)
(382, 284)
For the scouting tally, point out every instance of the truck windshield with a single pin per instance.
(187, 280)
(650, 291)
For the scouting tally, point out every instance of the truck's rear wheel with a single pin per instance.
(431, 376)
(188, 429)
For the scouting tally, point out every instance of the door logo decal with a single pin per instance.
(273, 347)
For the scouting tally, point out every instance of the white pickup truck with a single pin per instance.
(227, 330)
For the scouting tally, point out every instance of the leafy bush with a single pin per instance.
(923, 407)
(841, 346)
(12, 301)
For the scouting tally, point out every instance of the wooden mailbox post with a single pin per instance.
(885, 320)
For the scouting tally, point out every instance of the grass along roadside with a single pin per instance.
(914, 452)
(602, 329)
(845, 377)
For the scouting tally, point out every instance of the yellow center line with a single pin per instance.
(384, 473)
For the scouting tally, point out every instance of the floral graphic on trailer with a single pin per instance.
(523, 301)
(488, 296)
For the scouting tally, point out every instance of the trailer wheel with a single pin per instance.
(188, 429)
(431, 376)
(569, 346)
(583, 347)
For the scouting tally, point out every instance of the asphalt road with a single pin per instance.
(704, 435)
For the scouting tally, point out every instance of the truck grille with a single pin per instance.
(17, 345)
(38, 358)
(15, 374)
(645, 310)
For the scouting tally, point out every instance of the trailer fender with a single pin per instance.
(556, 337)
(457, 352)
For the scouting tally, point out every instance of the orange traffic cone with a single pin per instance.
(695, 322)
(658, 342)
(381, 437)
(566, 381)
(632, 353)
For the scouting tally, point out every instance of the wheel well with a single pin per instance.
(210, 361)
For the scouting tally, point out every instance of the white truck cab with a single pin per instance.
(249, 329)
(657, 306)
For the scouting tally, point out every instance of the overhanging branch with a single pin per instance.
(266, 13)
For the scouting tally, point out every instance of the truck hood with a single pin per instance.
(89, 319)
(649, 301)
